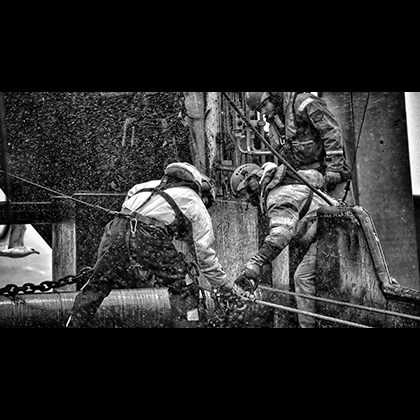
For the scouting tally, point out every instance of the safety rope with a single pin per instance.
(339, 303)
(61, 194)
(360, 131)
(310, 314)
(347, 190)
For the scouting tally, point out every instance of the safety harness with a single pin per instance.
(180, 229)
(284, 177)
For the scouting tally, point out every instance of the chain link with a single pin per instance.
(12, 290)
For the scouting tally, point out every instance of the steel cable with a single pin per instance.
(310, 314)
(346, 304)
(360, 131)
(59, 193)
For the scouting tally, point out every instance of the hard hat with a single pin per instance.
(256, 99)
(241, 175)
(208, 191)
(185, 172)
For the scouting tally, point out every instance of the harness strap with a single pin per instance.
(186, 223)
(142, 219)
(181, 221)
(167, 197)
(307, 206)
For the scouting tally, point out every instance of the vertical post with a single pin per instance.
(195, 105)
(64, 241)
(212, 130)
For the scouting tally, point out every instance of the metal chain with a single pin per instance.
(12, 290)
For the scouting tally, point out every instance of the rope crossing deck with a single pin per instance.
(313, 315)
(346, 304)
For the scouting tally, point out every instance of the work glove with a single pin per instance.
(249, 279)
(251, 275)
(332, 179)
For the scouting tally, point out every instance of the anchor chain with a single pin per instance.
(12, 290)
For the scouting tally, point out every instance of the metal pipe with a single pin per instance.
(134, 308)
(250, 149)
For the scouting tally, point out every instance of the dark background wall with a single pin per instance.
(382, 173)
(72, 142)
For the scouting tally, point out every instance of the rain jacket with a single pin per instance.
(191, 205)
(313, 137)
(284, 205)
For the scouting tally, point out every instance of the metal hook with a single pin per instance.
(133, 226)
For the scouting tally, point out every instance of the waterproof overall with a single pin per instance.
(291, 208)
(138, 252)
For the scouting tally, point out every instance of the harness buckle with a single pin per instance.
(133, 227)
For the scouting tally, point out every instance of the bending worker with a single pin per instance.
(306, 134)
(138, 248)
(291, 208)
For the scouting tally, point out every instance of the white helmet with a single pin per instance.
(185, 172)
(241, 175)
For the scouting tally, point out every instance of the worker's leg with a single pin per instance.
(185, 307)
(87, 303)
(112, 263)
(305, 285)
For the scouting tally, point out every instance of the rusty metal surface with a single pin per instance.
(347, 272)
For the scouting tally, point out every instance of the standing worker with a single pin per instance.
(306, 134)
(291, 208)
(138, 247)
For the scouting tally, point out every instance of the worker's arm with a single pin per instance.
(317, 114)
(203, 236)
(283, 205)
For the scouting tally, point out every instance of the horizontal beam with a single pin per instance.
(61, 209)
(30, 213)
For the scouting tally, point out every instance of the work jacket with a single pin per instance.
(292, 213)
(307, 134)
(193, 208)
